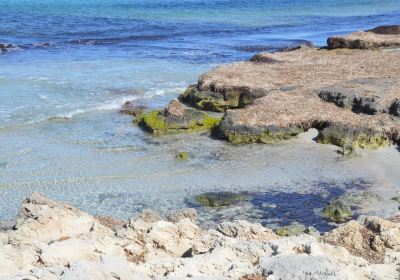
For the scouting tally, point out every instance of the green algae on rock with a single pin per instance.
(337, 211)
(219, 199)
(207, 100)
(182, 156)
(396, 198)
(176, 119)
(349, 138)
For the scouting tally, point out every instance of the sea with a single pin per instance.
(74, 63)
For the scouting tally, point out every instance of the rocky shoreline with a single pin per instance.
(52, 240)
(348, 91)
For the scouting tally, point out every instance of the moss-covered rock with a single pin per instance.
(337, 211)
(349, 138)
(182, 156)
(267, 137)
(396, 198)
(238, 134)
(219, 199)
(339, 208)
(208, 100)
(165, 122)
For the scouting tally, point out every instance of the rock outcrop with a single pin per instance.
(53, 240)
(382, 36)
(176, 119)
(351, 96)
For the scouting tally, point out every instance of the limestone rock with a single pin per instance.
(387, 30)
(150, 216)
(244, 230)
(368, 96)
(176, 216)
(370, 241)
(174, 109)
(376, 38)
(53, 241)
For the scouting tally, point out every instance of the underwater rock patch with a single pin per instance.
(219, 199)
(337, 211)
(339, 208)
(131, 108)
(182, 156)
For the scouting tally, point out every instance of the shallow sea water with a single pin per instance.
(76, 62)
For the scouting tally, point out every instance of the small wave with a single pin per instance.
(116, 40)
(107, 106)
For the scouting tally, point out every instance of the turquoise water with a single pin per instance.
(76, 62)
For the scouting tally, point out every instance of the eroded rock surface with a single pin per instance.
(382, 36)
(351, 96)
(53, 240)
(308, 89)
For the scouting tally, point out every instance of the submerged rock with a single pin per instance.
(4, 47)
(337, 211)
(131, 108)
(339, 208)
(396, 198)
(182, 156)
(176, 119)
(218, 199)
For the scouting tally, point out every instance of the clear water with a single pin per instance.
(76, 62)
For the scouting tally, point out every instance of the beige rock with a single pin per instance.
(365, 40)
(164, 250)
(247, 231)
(176, 216)
(175, 109)
(370, 241)
(42, 220)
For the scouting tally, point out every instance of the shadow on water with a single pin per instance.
(289, 208)
(278, 209)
